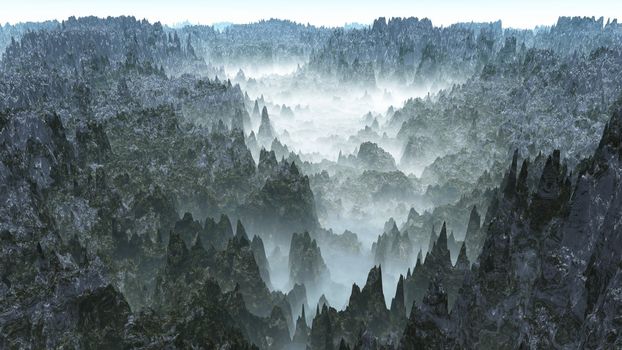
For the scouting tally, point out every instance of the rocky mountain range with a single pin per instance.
(159, 191)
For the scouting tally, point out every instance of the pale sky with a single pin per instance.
(518, 14)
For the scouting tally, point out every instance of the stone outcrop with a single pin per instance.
(372, 157)
(436, 265)
(259, 253)
(266, 132)
(306, 265)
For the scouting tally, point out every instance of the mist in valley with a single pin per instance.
(320, 119)
(275, 185)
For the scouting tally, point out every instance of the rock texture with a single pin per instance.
(437, 266)
(541, 266)
(306, 265)
(372, 157)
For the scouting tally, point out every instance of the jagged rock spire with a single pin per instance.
(442, 237)
(548, 187)
(463, 263)
(306, 264)
(510, 181)
(266, 132)
(388, 226)
(256, 110)
(439, 256)
(224, 228)
(237, 121)
(411, 153)
(301, 334)
(240, 231)
(177, 252)
(412, 214)
(278, 322)
(398, 308)
(297, 295)
(474, 221)
(427, 325)
(521, 183)
(373, 157)
(259, 253)
(433, 239)
(369, 301)
(612, 133)
(293, 169)
(198, 255)
(473, 238)
(394, 230)
(322, 330)
(552, 192)
(355, 302)
(419, 262)
(323, 302)
(187, 228)
(374, 281)
(267, 162)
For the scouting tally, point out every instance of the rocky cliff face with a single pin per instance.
(259, 253)
(84, 308)
(301, 335)
(120, 177)
(437, 266)
(365, 320)
(266, 132)
(541, 264)
(306, 265)
(372, 157)
(473, 238)
(427, 326)
(91, 216)
(267, 164)
(248, 302)
(284, 203)
(393, 249)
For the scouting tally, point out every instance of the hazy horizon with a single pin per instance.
(513, 14)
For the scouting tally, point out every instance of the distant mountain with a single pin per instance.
(355, 25)
(221, 26)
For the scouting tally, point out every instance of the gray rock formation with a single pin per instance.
(372, 157)
(306, 265)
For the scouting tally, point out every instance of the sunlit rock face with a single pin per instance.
(274, 185)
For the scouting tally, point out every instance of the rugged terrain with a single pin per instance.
(282, 186)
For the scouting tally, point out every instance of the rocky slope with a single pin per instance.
(306, 265)
(542, 267)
